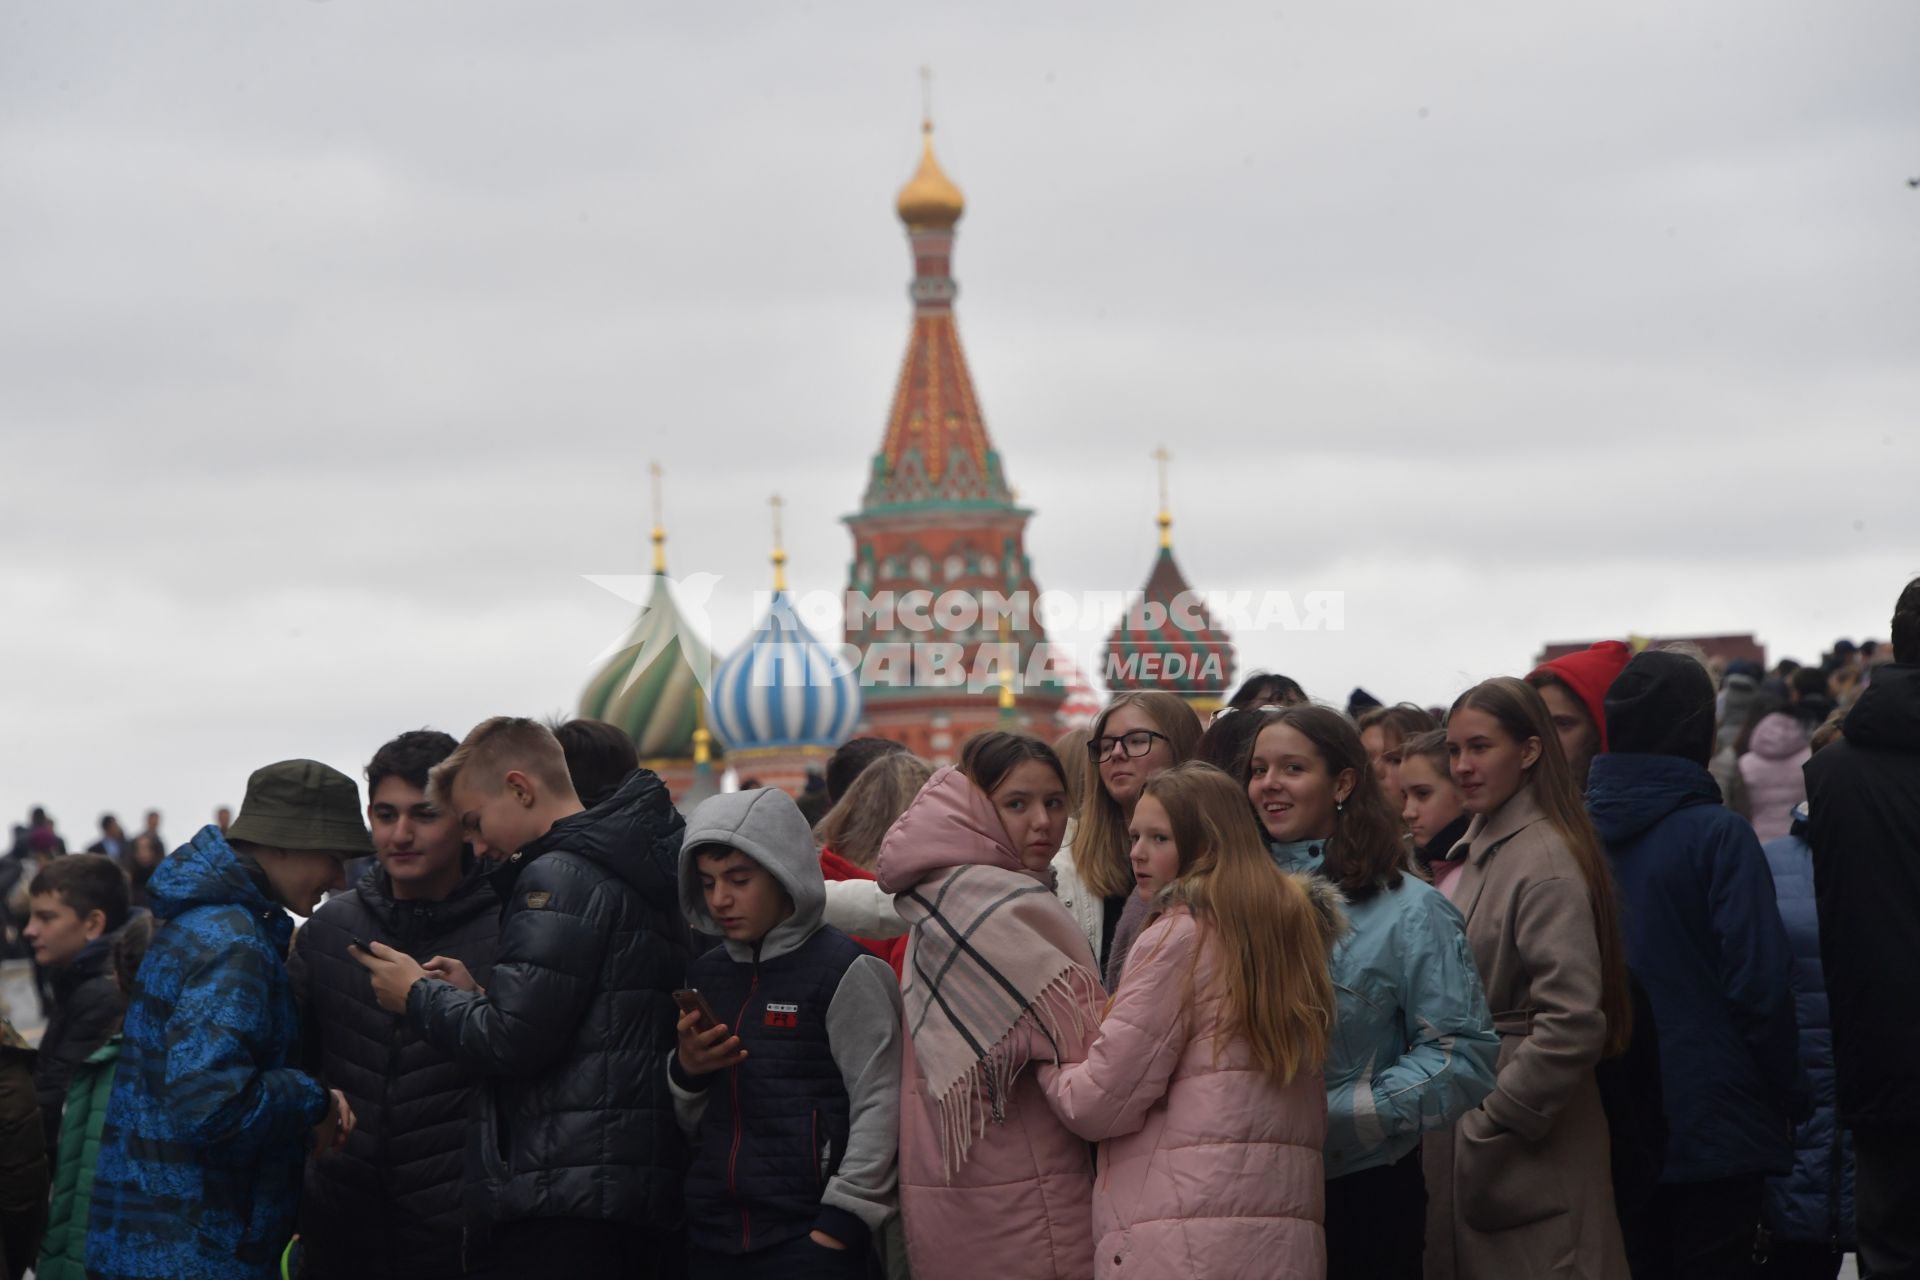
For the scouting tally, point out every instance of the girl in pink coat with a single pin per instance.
(997, 977)
(1203, 1087)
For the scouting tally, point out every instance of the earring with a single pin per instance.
(1339, 806)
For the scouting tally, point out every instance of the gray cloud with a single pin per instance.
(338, 336)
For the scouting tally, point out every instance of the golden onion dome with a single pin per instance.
(930, 199)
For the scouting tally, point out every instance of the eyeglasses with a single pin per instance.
(1131, 746)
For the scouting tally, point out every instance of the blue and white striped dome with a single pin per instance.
(784, 688)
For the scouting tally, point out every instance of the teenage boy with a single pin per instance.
(390, 1203)
(795, 1160)
(77, 904)
(578, 1158)
(210, 1117)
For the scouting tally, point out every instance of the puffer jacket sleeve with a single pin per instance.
(1451, 1045)
(544, 976)
(1554, 934)
(862, 909)
(1756, 963)
(217, 1034)
(1131, 1061)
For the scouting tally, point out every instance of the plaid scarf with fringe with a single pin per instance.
(989, 948)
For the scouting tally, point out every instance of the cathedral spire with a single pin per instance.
(936, 449)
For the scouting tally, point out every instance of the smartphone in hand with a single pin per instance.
(691, 1001)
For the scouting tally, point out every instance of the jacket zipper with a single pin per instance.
(733, 1083)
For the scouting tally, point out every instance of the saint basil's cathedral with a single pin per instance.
(938, 515)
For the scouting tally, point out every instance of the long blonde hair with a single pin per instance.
(855, 827)
(1521, 713)
(1271, 939)
(1100, 840)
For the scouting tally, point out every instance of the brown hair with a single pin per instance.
(1398, 723)
(1365, 853)
(987, 758)
(1433, 746)
(1829, 730)
(496, 746)
(1271, 942)
(855, 826)
(86, 882)
(1100, 842)
(1521, 714)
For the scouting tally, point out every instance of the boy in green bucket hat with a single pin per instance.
(209, 1121)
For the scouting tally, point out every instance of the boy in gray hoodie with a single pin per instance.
(792, 1098)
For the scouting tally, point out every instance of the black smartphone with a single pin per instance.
(691, 1001)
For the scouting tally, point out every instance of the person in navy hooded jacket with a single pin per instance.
(1704, 937)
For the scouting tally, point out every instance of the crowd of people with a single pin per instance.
(1599, 972)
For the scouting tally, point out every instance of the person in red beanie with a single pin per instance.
(1574, 688)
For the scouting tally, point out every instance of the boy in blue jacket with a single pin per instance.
(210, 1119)
(792, 1100)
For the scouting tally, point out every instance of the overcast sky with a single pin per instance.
(335, 337)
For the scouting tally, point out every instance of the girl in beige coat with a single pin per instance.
(1521, 1185)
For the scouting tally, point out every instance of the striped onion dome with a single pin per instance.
(650, 685)
(784, 689)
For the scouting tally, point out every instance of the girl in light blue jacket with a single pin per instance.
(1413, 1044)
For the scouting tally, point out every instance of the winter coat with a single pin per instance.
(1704, 938)
(1208, 1169)
(63, 1255)
(210, 1117)
(1413, 1044)
(391, 1203)
(23, 1157)
(806, 1134)
(1522, 1185)
(87, 1004)
(1021, 1203)
(1771, 773)
(574, 1119)
(1814, 1202)
(1863, 821)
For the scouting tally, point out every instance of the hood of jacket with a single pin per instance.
(1662, 704)
(1887, 716)
(1779, 736)
(951, 823)
(767, 826)
(634, 834)
(472, 897)
(206, 872)
(1627, 794)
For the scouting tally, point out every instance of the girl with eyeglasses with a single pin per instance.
(1413, 1042)
(1137, 736)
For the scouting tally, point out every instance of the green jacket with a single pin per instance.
(63, 1256)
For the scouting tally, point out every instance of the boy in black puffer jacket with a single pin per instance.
(796, 1155)
(574, 1157)
(390, 1204)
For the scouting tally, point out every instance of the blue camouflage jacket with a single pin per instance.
(1413, 1043)
(207, 1125)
